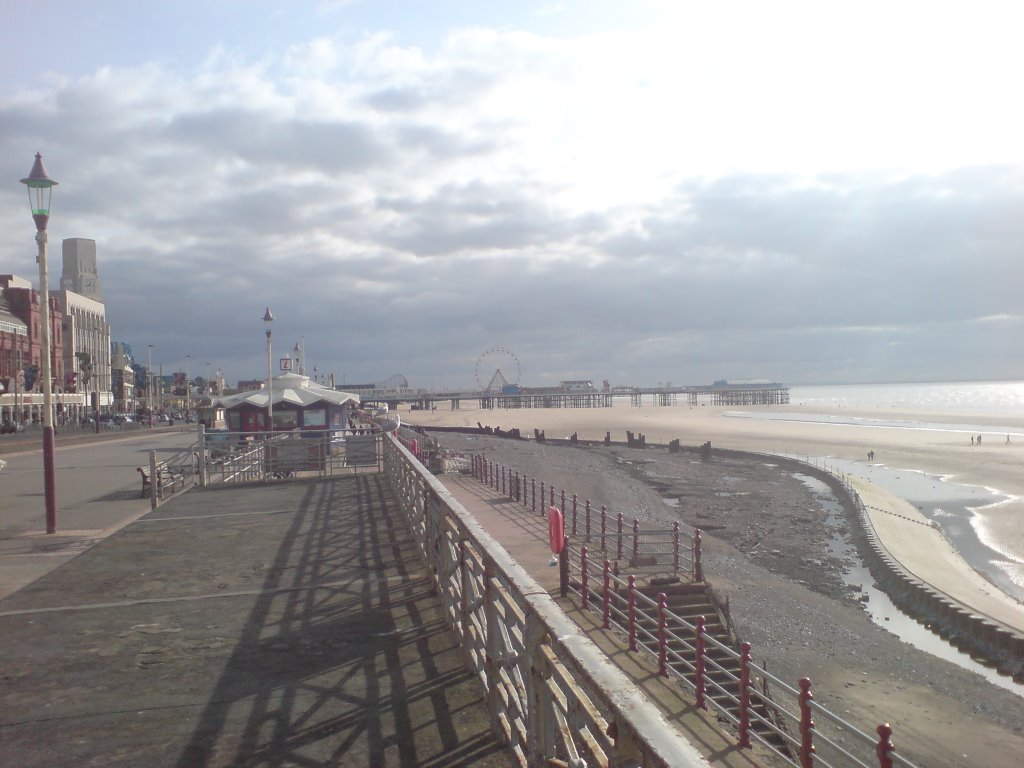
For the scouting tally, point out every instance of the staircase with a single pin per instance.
(688, 601)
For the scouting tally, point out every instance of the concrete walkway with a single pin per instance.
(268, 625)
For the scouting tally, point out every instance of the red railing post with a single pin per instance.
(618, 545)
(604, 515)
(675, 547)
(606, 607)
(490, 474)
(584, 587)
(744, 713)
(586, 522)
(700, 686)
(563, 568)
(662, 636)
(519, 492)
(698, 571)
(636, 540)
(541, 495)
(574, 515)
(533, 494)
(504, 491)
(551, 492)
(562, 507)
(632, 612)
(885, 746)
(806, 724)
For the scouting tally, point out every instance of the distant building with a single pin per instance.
(122, 377)
(21, 350)
(86, 332)
(577, 385)
(80, 272)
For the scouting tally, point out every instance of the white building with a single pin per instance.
(86, 330)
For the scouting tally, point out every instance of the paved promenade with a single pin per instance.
(269, 625)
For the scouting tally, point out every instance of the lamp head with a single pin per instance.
(40, 187)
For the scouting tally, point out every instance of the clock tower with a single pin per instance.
(80, 274)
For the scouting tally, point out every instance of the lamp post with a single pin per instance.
(149, 385)
(269, 319)
(40, 187)
(188, 387)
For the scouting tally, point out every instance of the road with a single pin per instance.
(98, 490)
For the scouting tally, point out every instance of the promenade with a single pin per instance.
(285, 624)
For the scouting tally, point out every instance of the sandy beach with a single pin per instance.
(934, 448)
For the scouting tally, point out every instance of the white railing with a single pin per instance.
(553, 696)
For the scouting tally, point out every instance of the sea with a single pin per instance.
(988, 398)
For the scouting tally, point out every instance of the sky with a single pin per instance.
(648, 192)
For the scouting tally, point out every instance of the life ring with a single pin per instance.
(556, 530)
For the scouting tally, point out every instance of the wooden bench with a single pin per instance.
(164, 476)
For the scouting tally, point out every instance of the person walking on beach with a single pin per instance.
(972, 439)
(979, 439)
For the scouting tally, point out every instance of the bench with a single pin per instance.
(164, 476)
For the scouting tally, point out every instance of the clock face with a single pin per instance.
(88, 284)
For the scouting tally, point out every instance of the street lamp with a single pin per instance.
(188, 387)
(269, 319)
(40, 187)
(149, 385)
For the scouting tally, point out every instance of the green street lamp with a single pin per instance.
(40, 187)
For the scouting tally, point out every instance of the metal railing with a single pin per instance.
(234, 457)
(708, 668)
(712, 671)
(553, 696)
(651, 551)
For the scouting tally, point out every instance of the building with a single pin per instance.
(122, 377)
(87, 344)
(80, 273)
(299, 404)
(21, 398)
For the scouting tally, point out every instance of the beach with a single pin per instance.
(941, 444)
(768, 550)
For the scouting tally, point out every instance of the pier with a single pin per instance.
(716, 395)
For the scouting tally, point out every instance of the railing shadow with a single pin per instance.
(344, 658)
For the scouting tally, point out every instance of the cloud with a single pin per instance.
(405, 208)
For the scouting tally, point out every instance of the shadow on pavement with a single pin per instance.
(281, 625)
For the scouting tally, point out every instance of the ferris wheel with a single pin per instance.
(497, 368)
